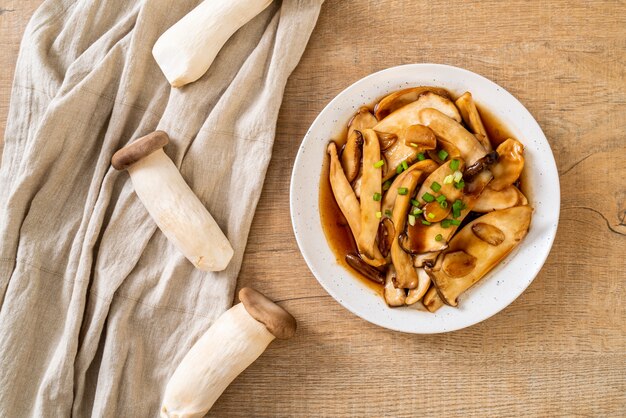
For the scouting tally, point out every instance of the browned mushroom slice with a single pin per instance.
(386, 140)
(414, 295)
(497, 200)
(401, 98)
(469, 257)
(426, 259)
(356, 184)
(406, 116)
(386, 234)
(510, 164)
(393, 296)
(371, 194)
(351, 155)
(344, 195)
(406, 276)
(422, 236)
(431, 300)
(426, 167)
(472, 119)
(488, 233)
(449, 130)
(419, 136)
(362, 120)
(365, 269)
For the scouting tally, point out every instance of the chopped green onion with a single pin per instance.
(458, 176)
(415, 202)
(425, 222)
(379, 163)
(439, 237)
(431, 216)
(411, 220)
(399, 169)
(388, 212)
(455, 222)
(417, 211)
(413, 144)
(442, 154)
(459, 185)
(403, 190)
(448, 179)
(454, 164)
(427, 197)
(405, 165)
(387, 185)
(421, 156)
(379, 215)
(444, 204)
(446, 223)
(377, 196)
(441, 198)
(435, 186)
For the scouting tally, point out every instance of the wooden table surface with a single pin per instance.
(558, 350)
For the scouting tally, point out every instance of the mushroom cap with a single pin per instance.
(277, 320)
(139, 149)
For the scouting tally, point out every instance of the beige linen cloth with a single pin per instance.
(97, 308)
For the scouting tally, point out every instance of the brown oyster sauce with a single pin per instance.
(335, 225)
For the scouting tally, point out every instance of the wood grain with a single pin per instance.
(560, 349)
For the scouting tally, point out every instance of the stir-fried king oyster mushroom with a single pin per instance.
(397, 122)
(508, 197)
(472, 119)
(401, 98)
(393, 296)
(371, 188)
(349, 204)
(450, 130)
(476, 249)
(406, 276)
(510, 164)
(404, 214)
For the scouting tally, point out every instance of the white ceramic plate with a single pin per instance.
(503, 284)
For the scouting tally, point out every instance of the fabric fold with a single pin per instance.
(97, 307)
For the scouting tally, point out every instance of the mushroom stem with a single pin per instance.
(175, 208)
(238, 337)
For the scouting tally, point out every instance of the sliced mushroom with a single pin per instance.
(425, 259)
(362, 120)
(406, 116)
(393, 296)
(414, 295)
(406, 276)
(401, 98)
(356, 184)
(458, 263)
(496, 200)
(488, 233)
(386, 140)
(480, 165)
(426, 167)
(431, 300)
(419, 136)
(450, 130)
(365, 269)
(449, 278)
(472, 119)
(344, 195)
(510, 164)
(386, 234)
(370, 188)
(421, 238)
(351, 155)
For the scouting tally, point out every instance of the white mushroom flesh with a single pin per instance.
(510, 164)
(472, 119)
(178, 212)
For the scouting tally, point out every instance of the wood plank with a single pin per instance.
(560, 349)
